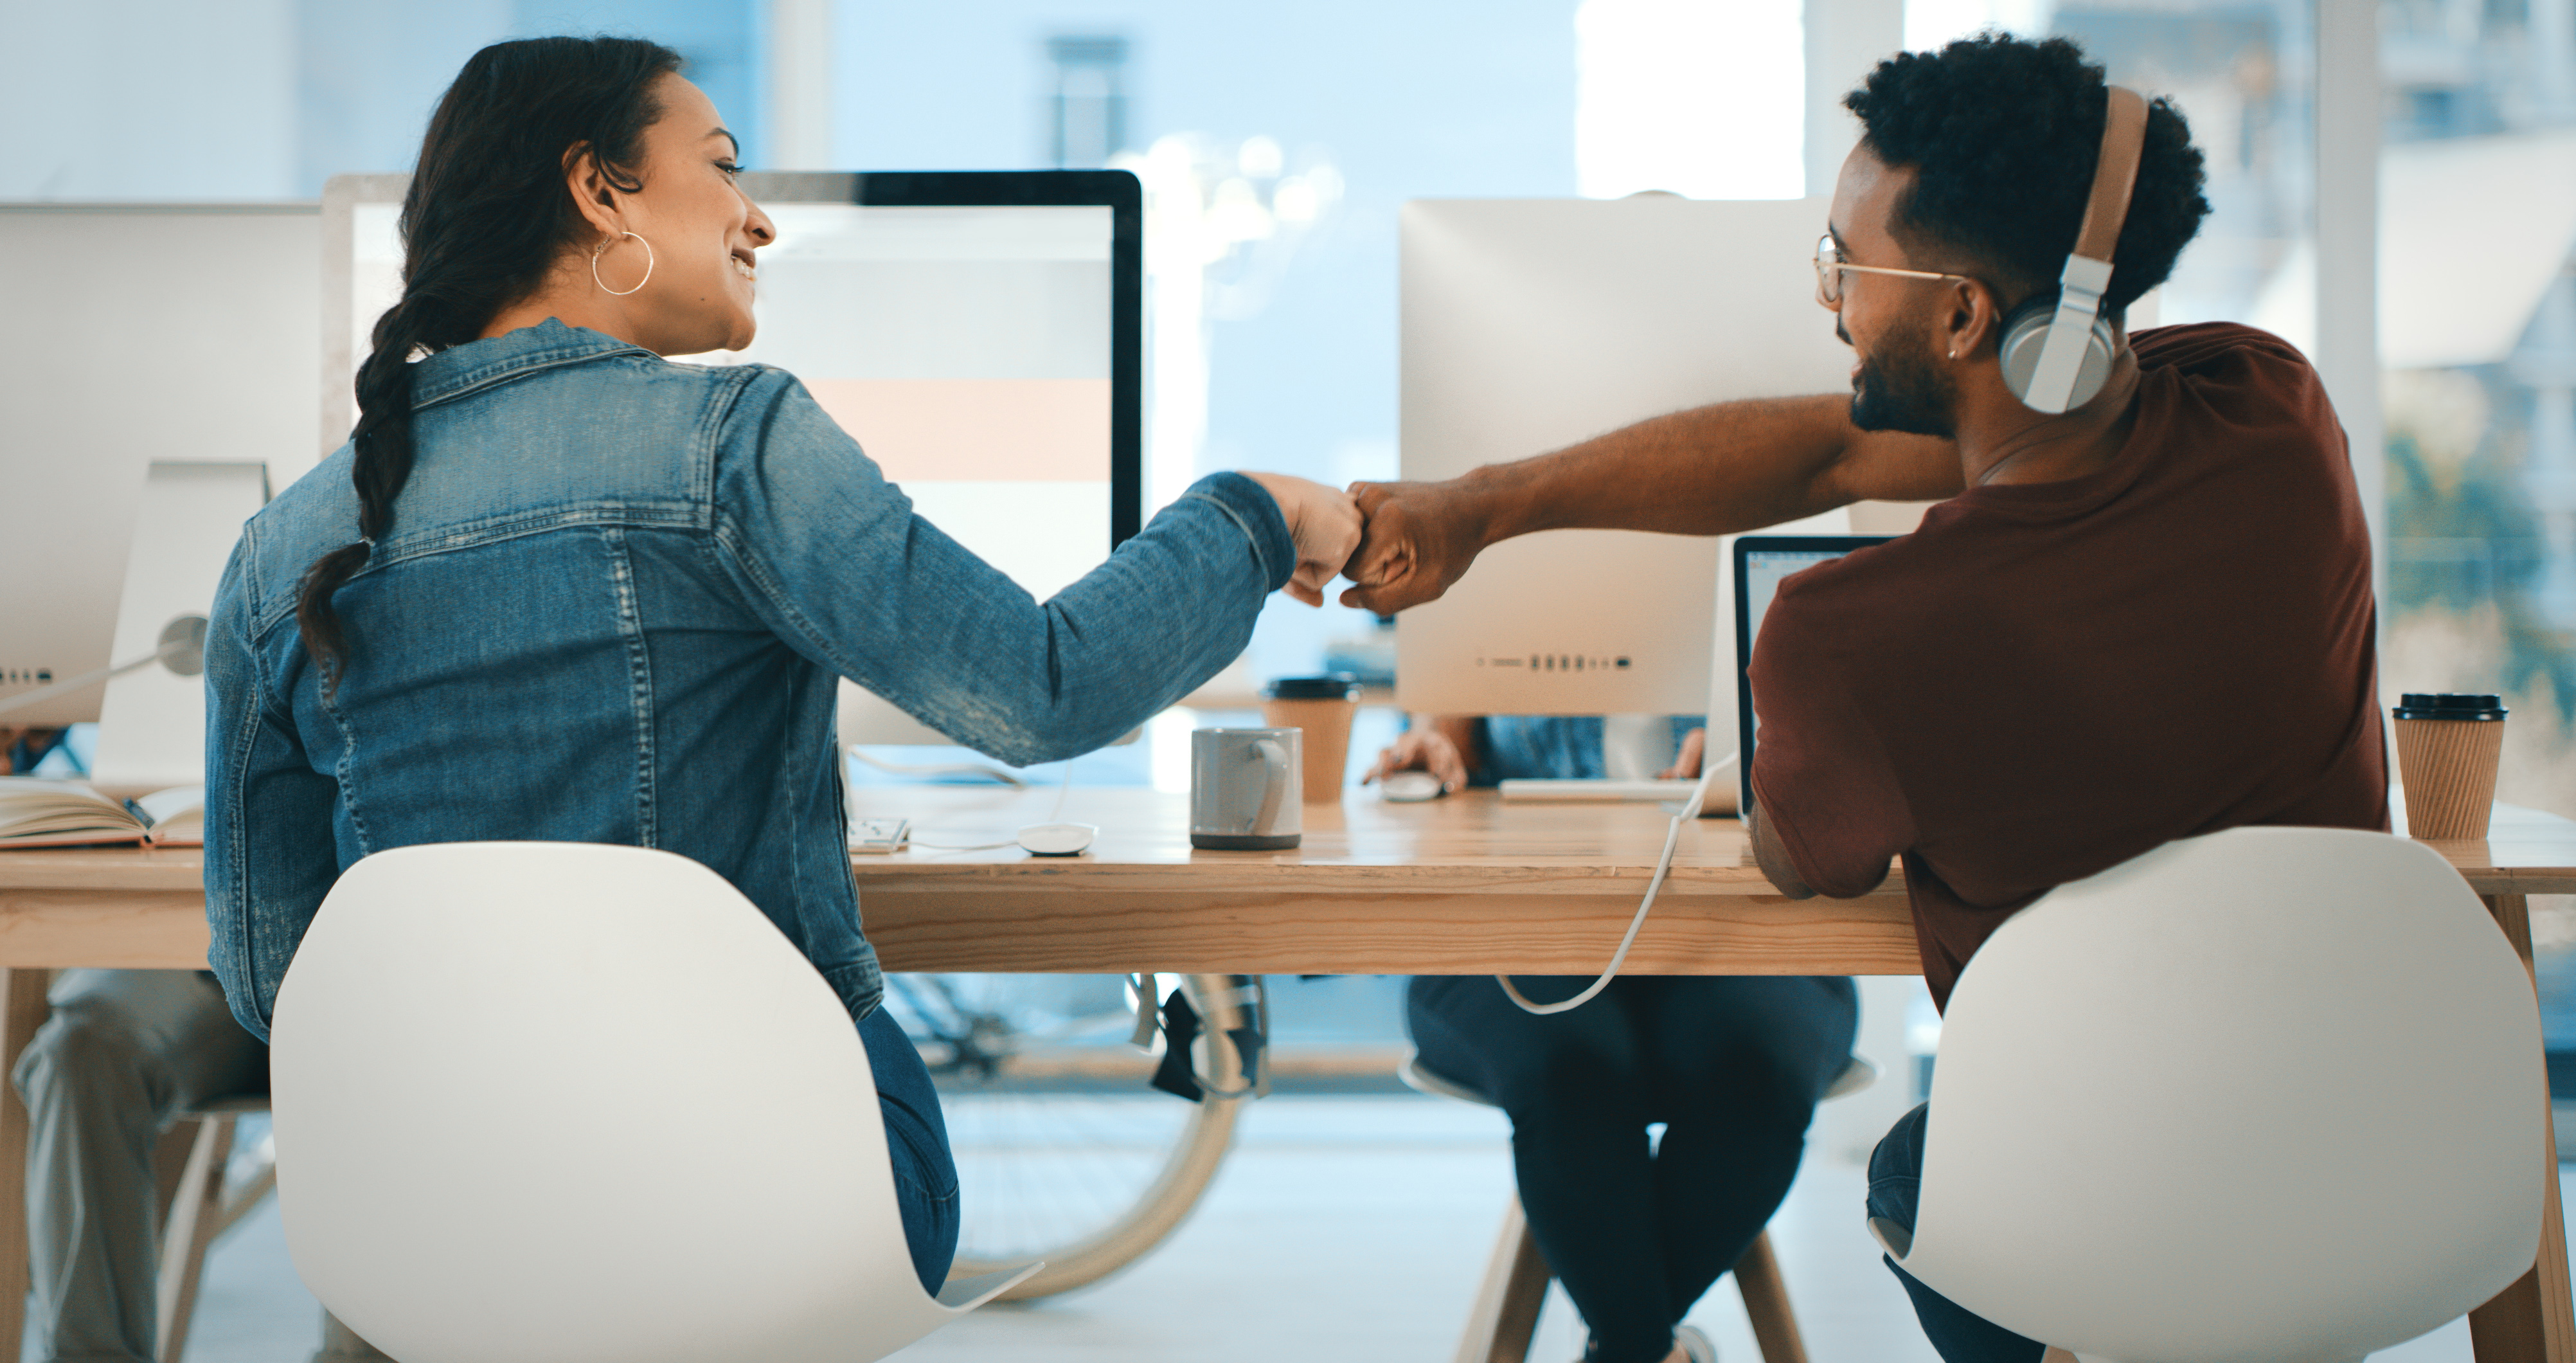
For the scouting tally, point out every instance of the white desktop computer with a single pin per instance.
(139, 335)
(979, 334)
(1529, 325)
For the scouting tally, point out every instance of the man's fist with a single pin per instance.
(1419, 538)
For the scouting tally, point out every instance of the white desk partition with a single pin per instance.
(152, 726)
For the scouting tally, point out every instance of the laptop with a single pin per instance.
(1760, 563)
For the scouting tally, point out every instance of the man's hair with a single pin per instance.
(2003, 135)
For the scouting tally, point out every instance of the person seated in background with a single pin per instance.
(1636, 1229)
(124, 1053)
(2139, 616)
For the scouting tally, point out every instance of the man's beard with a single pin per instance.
(1902, 389)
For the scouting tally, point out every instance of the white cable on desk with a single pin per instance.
(1063, 788)
(1689, 809)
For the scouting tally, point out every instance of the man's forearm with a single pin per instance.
(1709, 471)
(1714, 470)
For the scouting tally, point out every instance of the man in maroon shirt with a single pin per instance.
(2143, 618)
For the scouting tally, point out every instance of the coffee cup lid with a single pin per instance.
(1332, 686)
(2446, 705)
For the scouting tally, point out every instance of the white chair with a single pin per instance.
(1505, 1316)
(2269, 1094)
(567, 1103)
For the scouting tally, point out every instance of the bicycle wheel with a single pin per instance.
(1063, 1152)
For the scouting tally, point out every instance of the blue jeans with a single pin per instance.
(1895, 1191)
(925, 1175)
(1637, 1230)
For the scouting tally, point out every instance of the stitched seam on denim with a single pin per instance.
(721, 405)
(518, 524)
(245, 739)
(1243, 525)
(495, 530)
(639, 680)
(783, 798)
(451, 387)
(343, 769)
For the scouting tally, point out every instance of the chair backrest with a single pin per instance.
(2271, 1093)
(568, 1102)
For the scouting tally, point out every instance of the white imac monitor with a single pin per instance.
(978, 332)
(137, 334)
(1529, 325)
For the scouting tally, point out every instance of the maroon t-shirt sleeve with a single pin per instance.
(1821, 777)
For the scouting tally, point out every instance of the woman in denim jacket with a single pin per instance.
(559, 588)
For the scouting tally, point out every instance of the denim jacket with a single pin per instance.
(612, 608)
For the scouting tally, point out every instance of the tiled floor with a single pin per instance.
(1343, 1228)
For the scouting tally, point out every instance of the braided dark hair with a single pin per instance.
(485, 219)
(2003, 134)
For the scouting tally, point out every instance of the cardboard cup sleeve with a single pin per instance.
(2449, 768)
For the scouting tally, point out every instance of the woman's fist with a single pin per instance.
(1325, 523)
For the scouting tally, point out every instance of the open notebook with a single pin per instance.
(38, 812)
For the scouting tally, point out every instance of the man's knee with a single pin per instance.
(77, 1050)
(1571, 1082)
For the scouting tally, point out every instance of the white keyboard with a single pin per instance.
(1596, 792)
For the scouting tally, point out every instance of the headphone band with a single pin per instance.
(2057, 378)
(2115, 175)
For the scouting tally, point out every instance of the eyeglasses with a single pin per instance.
(1830, 266)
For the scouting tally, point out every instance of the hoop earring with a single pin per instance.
(603, 246)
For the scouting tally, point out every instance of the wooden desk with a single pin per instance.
(1466, 885)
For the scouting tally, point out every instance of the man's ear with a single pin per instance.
(1972, 320)
(592, 192)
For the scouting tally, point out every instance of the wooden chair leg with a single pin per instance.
(344, 1346)
(23, 1010)
(195, 1216)
(340, 1344)
(1505, 1316)
(170, 1162)
(1766, 1304)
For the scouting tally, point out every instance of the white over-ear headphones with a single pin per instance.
(2057, 348)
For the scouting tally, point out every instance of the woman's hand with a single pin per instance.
(1422, 748)
(1326, 525)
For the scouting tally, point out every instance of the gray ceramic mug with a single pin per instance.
(1244, 789)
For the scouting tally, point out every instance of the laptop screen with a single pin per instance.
(1762, 562)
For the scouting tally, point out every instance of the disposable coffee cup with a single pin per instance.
(1322, 707)
(2447, 748)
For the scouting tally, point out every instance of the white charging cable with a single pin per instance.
(1691, 805)
(1063, 788)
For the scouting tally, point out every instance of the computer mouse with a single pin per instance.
(1057, 839)
(1408, 787)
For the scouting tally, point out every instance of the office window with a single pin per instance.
(2478, 333)
(1087, 116)
(1653, 77)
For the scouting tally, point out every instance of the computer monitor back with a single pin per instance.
(1529, 325)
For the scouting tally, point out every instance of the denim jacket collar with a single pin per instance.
(458, 370)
